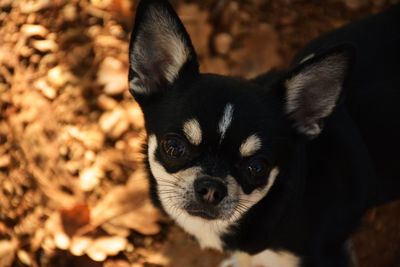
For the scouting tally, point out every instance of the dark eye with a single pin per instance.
(258, 167)
(173, 146)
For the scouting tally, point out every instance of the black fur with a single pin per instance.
(325, 184)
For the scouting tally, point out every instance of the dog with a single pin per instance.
(278, 169)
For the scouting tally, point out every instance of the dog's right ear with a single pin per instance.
(314, 87)
(160, 52)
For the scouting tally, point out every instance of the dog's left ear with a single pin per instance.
(160, 50)
(314, 87)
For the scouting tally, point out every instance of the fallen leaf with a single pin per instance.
(58, 76)
(105, 102)
(128, 206)
(89, 178)
(74, 218)
(119, 263)
(215, 65)
(223, 43)
(61, 240)
(79, 245)
(24, 257)
(138, 220)
(70, 12)
(110, 245)
(154, 257)
(114, 123)
(55, 234)
(112, 75)
(93, 139)
(118, 230)
(7, 252)
(101, 3)
(264, 39)
(34, 5)
(45, 45)
(96, 255)
(135, 116)
(47, 90)
(30, 30)
(196, 23)
(5, 160)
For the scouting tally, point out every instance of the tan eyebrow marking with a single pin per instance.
(192, 131)
(250, 146)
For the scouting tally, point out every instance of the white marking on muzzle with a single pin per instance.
(206, 232)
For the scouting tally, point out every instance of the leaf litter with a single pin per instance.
(72, 187)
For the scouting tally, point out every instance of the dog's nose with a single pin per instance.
(209, 191)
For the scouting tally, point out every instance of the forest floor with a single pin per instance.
(72, 191)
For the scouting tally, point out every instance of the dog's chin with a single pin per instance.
(204, 212)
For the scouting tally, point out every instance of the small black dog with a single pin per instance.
(279, 168)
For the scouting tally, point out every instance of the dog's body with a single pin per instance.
(281, 167)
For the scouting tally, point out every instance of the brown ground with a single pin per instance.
(70, 134)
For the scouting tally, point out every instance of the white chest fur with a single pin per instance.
(206, 232)
(266, 258)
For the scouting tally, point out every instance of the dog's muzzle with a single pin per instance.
(209, 192)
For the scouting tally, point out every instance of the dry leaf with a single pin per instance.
(139, 220)
(122, 10)
(79, 245)
(34, 5)
(89, 178)
(45, 45)
(106, 102)
(196, 22)
(128, 206)
(55, 233)
(118, 230)
(30, 30)
(102, 247)
(264, 39)
(215, 65)
(24, 257)
(59, 76)
(119, 263)
(61, 240)
(96, 255)
(101, 3)
(69, 12)
(135, 116)
(74, 218)
(47, 90)
(223, 43)
(153, 257)
(115, 122)
(7, 251)
(110, 245)
(93, 139)
(5, 160)
(112, 75)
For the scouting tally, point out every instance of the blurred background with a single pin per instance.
(72, 191)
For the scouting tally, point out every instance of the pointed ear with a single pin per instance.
(161, 52)
(314, 87)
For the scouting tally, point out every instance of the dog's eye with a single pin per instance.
(173, 146)
(258, 167)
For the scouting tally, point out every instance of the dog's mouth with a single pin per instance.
(205, 212)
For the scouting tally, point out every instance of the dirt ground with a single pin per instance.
(72, 192)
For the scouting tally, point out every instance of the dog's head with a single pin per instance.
(217, 145)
